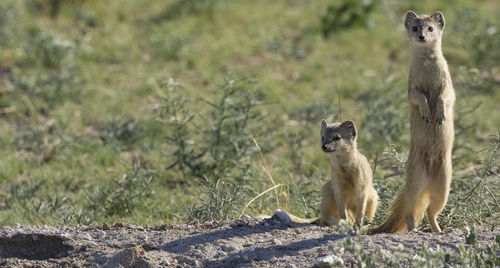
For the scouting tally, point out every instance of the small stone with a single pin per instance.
(101, 235)
(91, 243)
(143, 236)
(229, 248)
(290, 265)
(277, 242)
(34, 237)
(266, 224)
(244, 258)
(165, 262)
(222, 253)
(328, 261)
(118, 225)
(86, 236)
(282, 216)
(251, 249)
(105, 226)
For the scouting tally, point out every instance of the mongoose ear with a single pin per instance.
(439, 18)
(323, 123)
(410, 15)
(349, 125)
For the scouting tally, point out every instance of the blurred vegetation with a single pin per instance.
(171, 111)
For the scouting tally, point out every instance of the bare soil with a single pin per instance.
(248, 242)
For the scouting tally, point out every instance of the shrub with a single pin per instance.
(7, 24)
(474, 197)
(348, 13)
(122, 196)
(383, 122)
(120, 132)
(215, 146)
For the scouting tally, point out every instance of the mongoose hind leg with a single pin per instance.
(439, 187)
(416, 182)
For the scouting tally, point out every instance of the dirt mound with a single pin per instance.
(241, 243)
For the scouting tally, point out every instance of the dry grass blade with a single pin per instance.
(265, 167)
(259, 195)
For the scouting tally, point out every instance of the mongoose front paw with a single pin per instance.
(426, 114)
(440, 119)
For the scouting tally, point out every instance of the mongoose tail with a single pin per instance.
(404, 212)
(287, 217)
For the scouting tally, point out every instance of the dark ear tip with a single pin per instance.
(349, 123)
(411, 13)
(438, 13)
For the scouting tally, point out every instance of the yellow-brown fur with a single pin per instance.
(431, 97)
(349, 194)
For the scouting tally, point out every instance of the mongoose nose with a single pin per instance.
(421, 37)
(323, 146)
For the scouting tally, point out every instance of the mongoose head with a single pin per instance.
(338, 137)
(424, 29)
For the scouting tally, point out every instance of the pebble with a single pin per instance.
(328, 261)
(101, 235)
(244, 258)
(86, 236)
(222, 253)
(282, 216)
(290, 265)
(251, 249)
(143, 236)
(91, 243)
(277, 242)
(229, 248)
(165, 262)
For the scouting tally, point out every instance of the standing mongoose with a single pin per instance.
(431, 97)
(349, 194)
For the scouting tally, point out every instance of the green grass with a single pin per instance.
(96, 90)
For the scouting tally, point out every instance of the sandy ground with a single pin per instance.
(247, 242)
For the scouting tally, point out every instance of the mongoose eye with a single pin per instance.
(336, 138)
(430, 29)
(414, 28)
